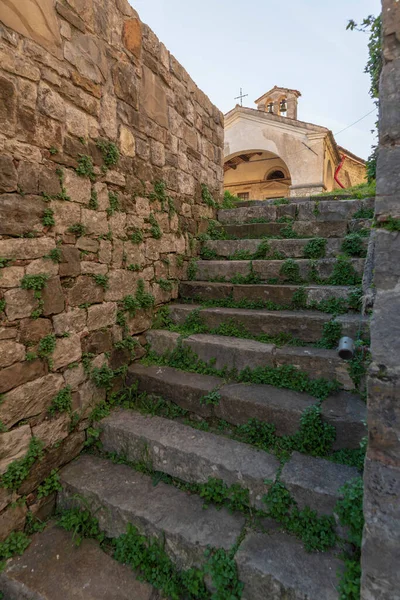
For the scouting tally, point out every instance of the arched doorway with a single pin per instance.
(256, 175)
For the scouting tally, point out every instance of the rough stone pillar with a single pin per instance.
(381, 541)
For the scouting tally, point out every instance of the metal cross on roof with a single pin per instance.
(241, 96)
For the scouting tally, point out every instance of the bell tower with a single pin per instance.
(279, 101)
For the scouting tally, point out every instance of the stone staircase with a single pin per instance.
(149, 465)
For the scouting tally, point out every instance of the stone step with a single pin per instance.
(291, 248)
(281, 294)
(275, 567)
(191, 455)
(270, 269)
(301, 199)
(271, 565)
(325, 229)
(194, 456)
(237, 353)
(305, 325)
(268, 211)
(313, 210)
(241, 402)
(118, 495)
(55, 568)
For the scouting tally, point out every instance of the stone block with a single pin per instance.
(12, 519)
(52, 431)
(120, 283)
(95, 222)
(151, 509)
(126, 83)
(190, 455)
(32, 330)
(387, 268)
(54, 458)
(8, 105)
(72, 321)
(93, 268)
(162, 341)
(8, 174)
(263, 562)
(101, 315)
(383, 416)
(50, 103)
(380, 551)
(28, 177)
(11, 352)
(53, 297)
(75, 377)
(389, 123)
(68, 350)
(317, 362)
(77, 122)
(20, 214)
(29, 399)
(78, 188)
(20, 373)
(84, 290)
(20, 303)
(105, 252)
(140, 322)
(132, 36)
(315, 482)
(127, 141)
(26, 249)
(94, 571)
(153, 97)
(87, 244)
(27, 93)
(8, 333)
(117, 224)
(70, 265)
(42, 265)
(14, 445)
(98, 342)
(233, 353)
(10, 277)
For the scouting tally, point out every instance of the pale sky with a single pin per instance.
(299, 44)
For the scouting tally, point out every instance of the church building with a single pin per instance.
(269, 153)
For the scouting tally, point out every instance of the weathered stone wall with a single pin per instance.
(381, 541)
(352, 173)
(80, 224)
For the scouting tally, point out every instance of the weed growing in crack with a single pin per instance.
(315, 248)
(19, 469)
(62, 402)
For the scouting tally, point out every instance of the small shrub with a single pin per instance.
(136, 236)
(315, 248)
(48, 218)
(109, 152)
(114, 203)
(353, 245)
(78, 229)
(50, 484)
(85, 167)
(62, 402)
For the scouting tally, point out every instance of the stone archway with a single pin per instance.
(253, 175)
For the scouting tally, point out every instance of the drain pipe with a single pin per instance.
(340, 165)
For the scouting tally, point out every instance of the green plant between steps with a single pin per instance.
(316, 532)
(333, 305)
(19, 469)
(195, 324)
(286, 376)
(147, 556)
